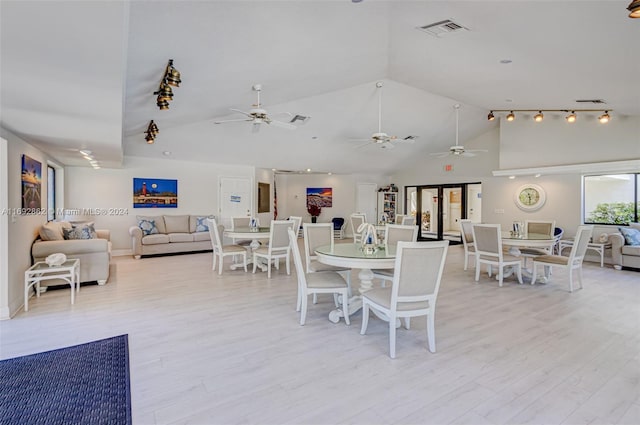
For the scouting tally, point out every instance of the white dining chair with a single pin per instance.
(466, 233)
(399, 218)
(237, 222)
(414, 291)
(356, 220)
(542, 227)
(316, 283)
(408, 220)
(279, 247)
(297, 222)
(489, 251)
(315, 235)
(570, 263)
(219, 250)
(394, 233)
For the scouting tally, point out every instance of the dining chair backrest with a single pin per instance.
(356, 221)
(580, 244)
(215, 230)
(399, 218)
(297, 222)
(539, 226)
(395, 233)
(408, 221)
(240, 222)
(466, 231)
(315, 235)
(278, 237)
(486, 238)
(297, 259)
(338, 222)
(418, 272)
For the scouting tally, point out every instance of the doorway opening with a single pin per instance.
(439, 208)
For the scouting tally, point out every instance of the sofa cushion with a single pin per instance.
(80, 231)
(158, 219)
(631, 236)
(155, 239)
(176, 223)
(631, 250)
(180, 237)
(52, 231)
(201, 236)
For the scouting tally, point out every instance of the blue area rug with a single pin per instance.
(83, 384)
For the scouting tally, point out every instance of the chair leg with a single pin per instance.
(534, 273)
(299, 302)
(244, 258)
(477, 271)
(365, 317)
(466, 259)
(269, 269)
(392, 337)
(431, 331)
(303, 314)
(335, 299)
(255, 263)
(345, 307)
(500, 275)
(519, 271)
(213, 266)
(580, 276)
(315, 298)
(221, 262)
(407, 323)
(570, 279)
(288, 267)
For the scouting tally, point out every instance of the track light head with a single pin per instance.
(491, 117)
(538, 117)
(571, 118)
(511, 116)
(604, 118)
(634, 9)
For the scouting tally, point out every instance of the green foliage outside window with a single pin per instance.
(613, 213)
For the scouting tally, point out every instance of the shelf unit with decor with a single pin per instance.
(388, 204)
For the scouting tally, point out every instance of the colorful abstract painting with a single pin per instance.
(319, 196)
(155, 193)
(31, 185)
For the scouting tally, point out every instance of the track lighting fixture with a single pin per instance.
(170, 78)
(151, 133)
(539, 115)
(634, 9)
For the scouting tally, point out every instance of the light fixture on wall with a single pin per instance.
(634, 9)
(539, 115)
(151, 133)
(170, 78)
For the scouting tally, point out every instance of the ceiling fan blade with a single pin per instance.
(282, 113)
(241, 112)
(467, 154)
(476, 150)
(282, 124)
(238, 120)
(255, 127)
(361, 140)
(440, 154)
(367, 143)
(408, 139)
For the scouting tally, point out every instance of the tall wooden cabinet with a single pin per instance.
(388, 204)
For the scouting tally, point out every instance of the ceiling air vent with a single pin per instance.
(596, 101)
(442, 28)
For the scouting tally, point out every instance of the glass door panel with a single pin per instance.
(451, 213)
(429, 208)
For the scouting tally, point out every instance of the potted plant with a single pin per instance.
(314, 211)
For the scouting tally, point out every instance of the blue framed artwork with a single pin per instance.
(155, 193)
(31, 185)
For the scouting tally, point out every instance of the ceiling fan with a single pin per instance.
(458, 150)
(382, 139)
(257, 115)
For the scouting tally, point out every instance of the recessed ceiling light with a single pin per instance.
(512, 177)
(537, 175)
(505, 61)
(329, 173)
(308, 170)
(85, 152)
(166, 153)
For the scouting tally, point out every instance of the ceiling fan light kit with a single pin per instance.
(571, 116)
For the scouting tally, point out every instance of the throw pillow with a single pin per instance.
(147, 226)
(52, 231)
(85, 231)
(201, 224)
(631, 236)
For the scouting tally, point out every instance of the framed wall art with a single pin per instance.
(155, 193)
(319, 196)
(31, 185)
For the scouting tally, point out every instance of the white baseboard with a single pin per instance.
(121, 252)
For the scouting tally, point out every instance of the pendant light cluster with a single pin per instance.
(634, 9)
(539, 116)
(151, 133)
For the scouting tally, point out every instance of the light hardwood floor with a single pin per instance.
(206, 349)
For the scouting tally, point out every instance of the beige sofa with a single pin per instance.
(94, 254)
(175, 234)
(624, 255)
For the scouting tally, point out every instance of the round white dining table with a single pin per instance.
(529, 240)
(255, 234)
(353, 256)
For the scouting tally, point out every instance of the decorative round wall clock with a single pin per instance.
(530, 197)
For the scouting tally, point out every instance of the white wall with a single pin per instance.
(264, 175)
(22, 229)
(292, 194)
(113, 188)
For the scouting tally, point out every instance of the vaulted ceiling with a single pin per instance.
(81, 75)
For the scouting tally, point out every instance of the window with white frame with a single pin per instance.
(611, 198)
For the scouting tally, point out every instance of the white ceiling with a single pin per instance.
(81, 75)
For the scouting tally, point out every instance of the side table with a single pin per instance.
(68, 271)
(594, 246)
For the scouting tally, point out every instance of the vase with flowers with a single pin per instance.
(314, 211)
